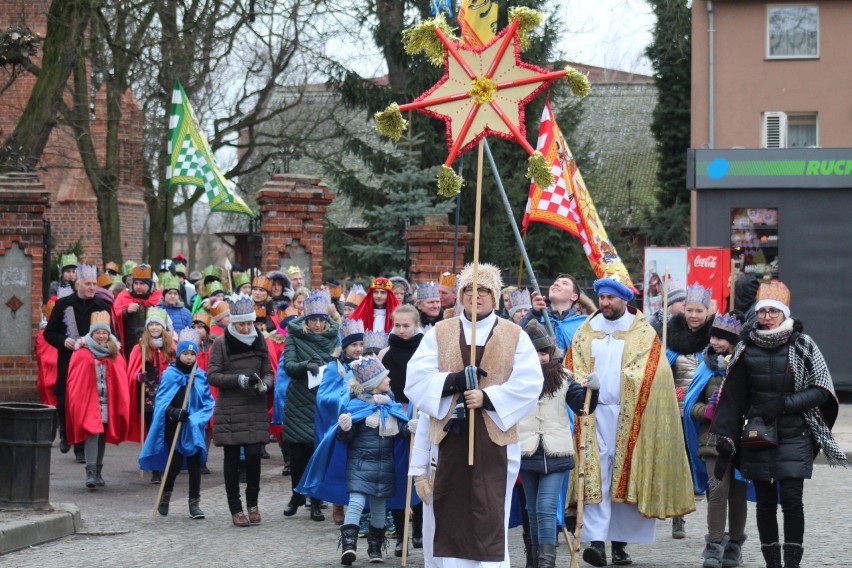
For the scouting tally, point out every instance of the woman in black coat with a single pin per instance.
(777, 373)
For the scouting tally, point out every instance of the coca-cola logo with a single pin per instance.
(704, 262)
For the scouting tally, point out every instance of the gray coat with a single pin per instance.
(240, 415)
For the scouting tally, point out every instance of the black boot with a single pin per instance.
(99, 480)
(792, 554)
(195, 511)
(163, 506)
(399, 523)
(296, 501)
(91, 476)
(417, 527)
(79, 454)
(771, 554)
(376, 542)
(316, 510)
(546, 555)
(530, 549)
(595, 553)
(619, 555)
(349, 544)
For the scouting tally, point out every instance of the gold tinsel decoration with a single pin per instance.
(483, 90)
(449, 184)
(578, 82)
(527, 20)
(539, 170)
(422, 37)
(390, 122)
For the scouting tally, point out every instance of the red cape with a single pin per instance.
(123, 300)
(46, 355)
(82, 409)
(364, 311)
(134, 366)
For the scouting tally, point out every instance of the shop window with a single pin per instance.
(754, 239)
(792, 31)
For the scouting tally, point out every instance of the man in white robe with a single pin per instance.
(466, 517)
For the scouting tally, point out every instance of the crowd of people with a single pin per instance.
(479, 392)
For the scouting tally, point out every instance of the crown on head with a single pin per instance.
(447, 279)
(69, 260)
(204, 317)
(112, 268)
(180, 268)
(212, 271)
(698, 294)
(156, 315)
(520, 299)
(356, 294)
(142, 272)
(326, 293)
(189, 334)
(293, 269)
(241, 307)
(262, 282)
(368, 371)
(351, 327)
(100, 318)
(87, 272)
(381, 283)
(316, 305)
(376, 340)
(213, 287)
(728, 322)
(241, 278)
(775, 290)
(336, 290)
(128, 266)
(427, 291)
(104, 280)
(169, 282)
(259, 312)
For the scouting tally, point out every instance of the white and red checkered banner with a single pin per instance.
(567, 203)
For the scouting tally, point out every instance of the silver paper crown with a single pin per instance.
(520, 299)
(316, 304)
(189, 334)
(368, 371)
(326, 292)
(241, 307)
(351, 327)
(87, 272)
(377, 340)
(728, 323)
(698, 294)
(427, 291)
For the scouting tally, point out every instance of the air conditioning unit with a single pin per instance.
(774, 131)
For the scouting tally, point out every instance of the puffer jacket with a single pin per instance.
(688, 345)
(240, 415)
(301, 401)
(180, 316)
(717, 364)
(370, 465)
(758, 375)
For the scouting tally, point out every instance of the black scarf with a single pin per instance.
(396, 361)
(427, 321)
(684, 341)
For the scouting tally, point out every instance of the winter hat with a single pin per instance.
(698, 294)
(403, 282)
(351, 331)
(368, 372)
(100, 320)
(677, 293)
(188, 340)
(727, 326)
(519, 300)
(773, 294)
(277, 275)
(156, 315)
(241, 307)
(375, 341)
(487, 276)
(541, 340)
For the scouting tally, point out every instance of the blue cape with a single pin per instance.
(279, 398)
(332, 398)
(155, 451)
(325, 476)
(691, 427)
(671, 356)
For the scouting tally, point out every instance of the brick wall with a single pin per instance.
(23, 203)
(431, 247)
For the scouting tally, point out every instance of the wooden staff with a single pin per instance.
(665, 307)
(474, 297)
(174, 441)
(142, 347)
(581, 475)
(407, 514)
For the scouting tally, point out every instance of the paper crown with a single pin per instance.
(156, 315)
(447, 279)
(112, 268)
(202, 317)
(47, 308)
(262, 282)
(729, 324)
(259, 312)
(326, 292)
(213, 287)
(518, 300)
(381, 283)
(292, 269)
(241, 307)
(104, 280)
(316, 305)
(775, 290)
(356, 295)
(67, 261)
(87, 272)
(99, 320)
(487, 276)
(369, 372)
(219, 310)
(212, 272)
(141, 271)
(240, 279)
(427, 291)
(698, 294)
(375, 340)
(180, 268)
(188, 340)
(336, 290)
(351, 327)
(169, 282)
(127, 267)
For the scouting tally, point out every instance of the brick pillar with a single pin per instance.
(23, 203)
(292, 208)
(431, 247)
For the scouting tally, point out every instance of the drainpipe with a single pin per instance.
(711, 111)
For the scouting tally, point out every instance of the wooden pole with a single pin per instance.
(665, 308)
(174, 441)
(142, 349)
(407, 496)
(474, 297)
(581, 475)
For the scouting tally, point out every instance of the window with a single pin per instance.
(801, 130)
(792, 31)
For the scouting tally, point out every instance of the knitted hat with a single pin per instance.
(356, 295)
(188, 340)
(220, 309)
(316, 305)
(727, 326)
(427, 291)
(67, 261)
(677, 293)
(169, 282)
(351, 331)
(112, 268)
(156, 315)
(87, 272)
(613, 284)
(487, 276)
(241, 278)
(99, 320)
(773, 294)
(447, 279)
(541, 340)
(262, 282)
(519, 300)
(698, 294)
(368, 372)
(104, 280)
(375, 341)
(201, 317)
(241, 307)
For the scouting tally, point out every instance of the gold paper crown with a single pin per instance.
(104, 280)
(262, 282)
(201, 316)
(335, 291)
(100, 317)
(356, 295)
(112, 266)
(382, 283)
(259, 312)
(775, 290)
(219, 308)
(143, 272)
(47, 309)
(294, 270)
(447, 279)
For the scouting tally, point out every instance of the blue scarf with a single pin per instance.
(332, 398)
(691, 427)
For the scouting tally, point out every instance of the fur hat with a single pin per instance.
(773, 294)
(368, 373)
(351, 331)
(100, 320)
(487, 276)
(541, 340)
(156, 315)
(241, 307)
(188, 340)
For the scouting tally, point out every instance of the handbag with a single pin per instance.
(757, 433)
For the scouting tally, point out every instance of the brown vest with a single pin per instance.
(498, 360)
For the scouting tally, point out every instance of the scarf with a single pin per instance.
(246, 338)
(396, 360)
(157, 342)
(772, 338)
(98, 350)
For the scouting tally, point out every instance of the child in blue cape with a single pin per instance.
(191, 448)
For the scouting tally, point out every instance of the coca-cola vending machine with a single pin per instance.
(711, 267)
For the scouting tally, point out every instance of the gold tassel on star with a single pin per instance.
(422, 37)
(449, 184)
(539, 170)
(527, 20)
(578, 82)
(390, 122)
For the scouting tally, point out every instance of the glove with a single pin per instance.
(244, 381)
(725, 446)
(345, 421)
(593, 381)
(177, 414)
(456, 423)
(722, 463)
(680, 393)
(317, 360)
(423, 488)
(412, 426)
(714, 398)
(457, 382)
(141, 377)
(258, 384)
(313, 368)
(771, 409)
(709, 412)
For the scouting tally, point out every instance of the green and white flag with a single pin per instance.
(192, 163)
